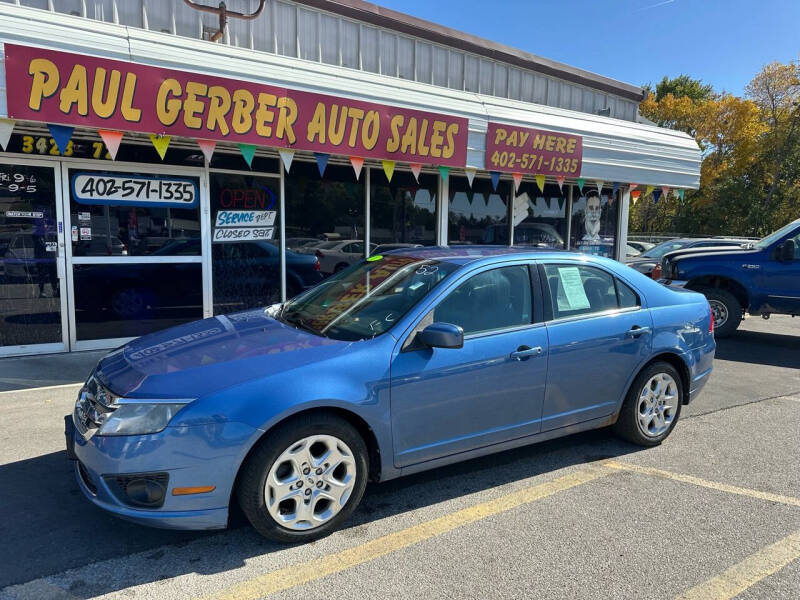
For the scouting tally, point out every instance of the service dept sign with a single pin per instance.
(244, 226)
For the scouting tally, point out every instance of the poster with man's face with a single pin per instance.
(594, 223)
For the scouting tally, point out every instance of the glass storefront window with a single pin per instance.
(540, 218)
(403, 212)
(133, 214)
(126, 300)
(478, 214)
(594, 222)
(245, 252)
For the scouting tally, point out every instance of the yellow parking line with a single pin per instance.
(721, 487)
(292, 576)
(751, 570)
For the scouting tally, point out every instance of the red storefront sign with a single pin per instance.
(533, 151)
(72, 89)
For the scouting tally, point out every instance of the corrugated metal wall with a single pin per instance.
(293, 30)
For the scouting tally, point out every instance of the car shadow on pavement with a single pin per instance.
(49, 527)
(762, 348)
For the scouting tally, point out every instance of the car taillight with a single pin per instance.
(711, 318)
(656, 274)
(316, 264)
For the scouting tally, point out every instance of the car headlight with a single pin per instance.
(138, 418)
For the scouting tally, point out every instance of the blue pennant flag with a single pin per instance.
(615, 187)
(322, 162)
(495, 175)
(61, 135)
(656, 196)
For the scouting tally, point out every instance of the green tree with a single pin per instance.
(680, 87)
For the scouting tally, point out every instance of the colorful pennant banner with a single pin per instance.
(286, 157)
(665, 191)
(599, 183)
(248, 152)
(444, 172)
(160, 143)
(357, 163)
(633, 186)
(111, 138)
(207, 147)
(495, 177)
(656, 196)
(61, 135)
(540, 182)
(470, 172)
(388, 168)
(322, 162)
(517, 177)
(560, 180)
(681, 194)
(648, 190)
(581, 181)
(6, 127)
(416, 169)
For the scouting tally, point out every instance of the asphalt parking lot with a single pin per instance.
(712, 513)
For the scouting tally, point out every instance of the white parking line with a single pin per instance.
(39, 389)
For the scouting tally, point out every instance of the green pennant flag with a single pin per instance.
(680, 194)
(248, 152)
(581, 181)
(444, 172)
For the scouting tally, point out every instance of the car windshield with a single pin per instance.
(663, 248)
(775, 235)
(366, 299)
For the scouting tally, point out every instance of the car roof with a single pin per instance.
(469, 253)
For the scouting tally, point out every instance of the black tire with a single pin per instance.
(627, 425)
(733, 309)
(250, 490)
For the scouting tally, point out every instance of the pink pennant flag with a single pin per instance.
(207, 146)
(517, 177)
(416, 169)
(111, 139)
(633, 186)
(665, 191)
(561, 179)
(357, 163)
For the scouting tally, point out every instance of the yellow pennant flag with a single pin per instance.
(649, 190)
(161, 143)
(388, 168)
(540, 182)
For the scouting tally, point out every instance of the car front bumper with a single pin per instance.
(191, 456)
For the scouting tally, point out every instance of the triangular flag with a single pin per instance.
(656, 196)
(615, 187)
(635, 195)
(160, 143)
(416, 169)
(633, 186)
(322, 162)
(581, 181)
(680, 194)
(495, 177)
(599, 183)
(357, 163)
(248, 152)
(207, 146)
(111, 139)
(444, 172)
(388, 168)
(560, 203)
(540, 182)
(6, 127)
(648, 190)
(470, 172)
(61, 135)
(561, 179)
(517, 177)
(665, 191)
(286, 157)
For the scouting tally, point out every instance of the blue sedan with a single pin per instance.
(404, 362)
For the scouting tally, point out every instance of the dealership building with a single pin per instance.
(162, 164)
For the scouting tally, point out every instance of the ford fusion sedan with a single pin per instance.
(400, 363)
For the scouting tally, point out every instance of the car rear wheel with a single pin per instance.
(725, 308)
(304, 479)
(652, 407)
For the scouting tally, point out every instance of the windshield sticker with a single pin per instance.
(571, 295)
(374, 258)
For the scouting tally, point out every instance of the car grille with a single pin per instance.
(95, 403)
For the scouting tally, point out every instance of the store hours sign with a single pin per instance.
(120, 189)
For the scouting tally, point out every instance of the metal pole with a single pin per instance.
(367, 225)
(282, 231)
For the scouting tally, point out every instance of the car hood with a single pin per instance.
(200, 358)
(709, 252)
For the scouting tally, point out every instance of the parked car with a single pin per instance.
(382, 248)
(337, 255)
(641, 246)
(630, 251)
(646, 261)
(295, 243)
(761, 278)
(418, 359)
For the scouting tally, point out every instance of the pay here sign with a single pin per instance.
(533, 151)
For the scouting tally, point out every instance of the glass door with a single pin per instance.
(32, 297)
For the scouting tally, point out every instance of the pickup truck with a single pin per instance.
(761, 278)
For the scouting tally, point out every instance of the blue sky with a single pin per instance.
(723, 42)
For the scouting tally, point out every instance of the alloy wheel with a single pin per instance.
(658, 405)
(310, 482)
(719, 312)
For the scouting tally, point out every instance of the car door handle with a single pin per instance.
(525, 352)
(636, 331)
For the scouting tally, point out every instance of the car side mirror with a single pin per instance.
(442, 335)
(786, 251)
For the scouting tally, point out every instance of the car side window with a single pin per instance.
(796, 246)
(626, 297)
(491, 300)
(579, 290)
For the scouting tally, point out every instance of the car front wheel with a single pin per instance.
(726, 310)
(652, 407)
(304, 479)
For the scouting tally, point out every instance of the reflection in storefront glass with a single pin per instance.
(478, 214)
(30, 295)
(540, 217)
(403, 212)
(594, 222)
